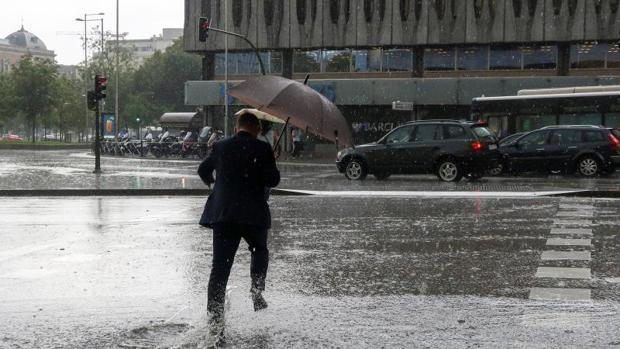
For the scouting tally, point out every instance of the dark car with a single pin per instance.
(449, 148)
(588, 150)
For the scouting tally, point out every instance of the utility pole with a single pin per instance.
(226, 69)
(116, 73)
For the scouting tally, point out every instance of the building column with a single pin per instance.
(418, 62)
(563, 59)
(208, 73)
(287, 63)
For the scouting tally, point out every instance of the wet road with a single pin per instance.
(350, 272)
(73, 170)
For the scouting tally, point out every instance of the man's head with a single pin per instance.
(249, 123)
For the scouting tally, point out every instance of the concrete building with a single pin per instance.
(437, 54)
(19, 44)
(144, 49)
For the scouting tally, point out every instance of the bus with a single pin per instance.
(533, 109)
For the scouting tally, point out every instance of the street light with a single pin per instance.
(85, 20)
(140, 135)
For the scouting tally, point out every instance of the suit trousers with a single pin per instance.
(226, 239)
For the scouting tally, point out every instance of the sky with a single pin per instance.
(54, 21)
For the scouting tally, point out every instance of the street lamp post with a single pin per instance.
(140, 135)
(85, 20)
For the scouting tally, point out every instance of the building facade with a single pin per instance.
(19, 44)
(144, 49)
(438, 54)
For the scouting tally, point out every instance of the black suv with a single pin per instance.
(588, 150)
(449, 148)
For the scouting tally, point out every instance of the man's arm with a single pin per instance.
(206, 168)
(271, 174)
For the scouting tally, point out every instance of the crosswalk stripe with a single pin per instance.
(563, 273)
(560, 294)
(568, 242)
(578, 222)
(572, 231)
(566, 255)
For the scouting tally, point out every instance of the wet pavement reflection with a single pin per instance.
(73, 170)
(345, 272)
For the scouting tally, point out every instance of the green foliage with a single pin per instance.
(34, 81)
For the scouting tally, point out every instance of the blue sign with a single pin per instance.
(108, 125)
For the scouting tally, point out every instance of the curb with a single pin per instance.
(125, 192)
(597, 194)
(44, 147)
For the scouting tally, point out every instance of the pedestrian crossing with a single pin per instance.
(569, 241)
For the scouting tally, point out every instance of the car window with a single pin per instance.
(400, 135)
(454, 132)
(482, 131)
(593, 136)
(563, 137)
(536, 138)
(425, 133)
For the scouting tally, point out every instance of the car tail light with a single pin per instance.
(615, 143)
(476, 146)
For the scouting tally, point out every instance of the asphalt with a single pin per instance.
(358, 272)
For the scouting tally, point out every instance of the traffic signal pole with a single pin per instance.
(97, 141)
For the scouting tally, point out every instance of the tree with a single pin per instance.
(34, 88)
(7, 101)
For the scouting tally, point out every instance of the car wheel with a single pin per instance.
(588, 166)
(449, 170)
(497, 170)
(355, 170)
(157, 152)
(382, 176)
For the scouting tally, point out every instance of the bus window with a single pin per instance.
(581, 119)
(532, 122)
(498, 124)
(612, 119)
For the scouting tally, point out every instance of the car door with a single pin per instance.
(562, 147)
(427, 140)
(529, 152)
(390, 154)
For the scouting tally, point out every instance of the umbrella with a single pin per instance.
(296, 103)
(260, 115)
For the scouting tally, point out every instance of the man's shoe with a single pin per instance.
(258, 300)
(215, 337)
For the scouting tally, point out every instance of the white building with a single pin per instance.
(144, 49)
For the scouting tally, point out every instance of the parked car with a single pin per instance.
(11, 137)
(504, 142)
(587, 150)
(449, 148)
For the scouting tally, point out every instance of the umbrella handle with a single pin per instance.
(281, 134)
(306, 79)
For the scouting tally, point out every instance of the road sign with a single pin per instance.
(398, 105)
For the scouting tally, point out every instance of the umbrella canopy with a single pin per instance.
(306, 108)
(260, 115)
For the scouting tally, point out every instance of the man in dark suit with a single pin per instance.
(238, 208)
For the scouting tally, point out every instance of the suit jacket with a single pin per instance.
(244, 167)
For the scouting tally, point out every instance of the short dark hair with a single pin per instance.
(248, 120)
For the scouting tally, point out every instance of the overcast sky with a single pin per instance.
(54, 21)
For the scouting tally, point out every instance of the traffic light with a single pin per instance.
(203, 29)
(91, 98)
(101, 84)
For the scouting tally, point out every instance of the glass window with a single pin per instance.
(564, 137)
(535, 138)
(337, 61)
(275, 62)
(400, 135)
(367, 60)
(540, 57)
(532, 122)
(588, 55)
(613, 56)
(307, 61)
(425, 133)
(593, 136)
(397, 60)
(454, 132)
(439, 58)
(473, 58)
(246, 62)
(612, 119)
(505, 58)
(581, 119)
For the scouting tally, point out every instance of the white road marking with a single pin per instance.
(575, 214)
(572, 231)
(560, 294)
(440, 194)
(578, 222)
(563, 273)
(566, 256)
(568, 242)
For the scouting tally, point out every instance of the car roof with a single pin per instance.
(585, 127)
(432, 121)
